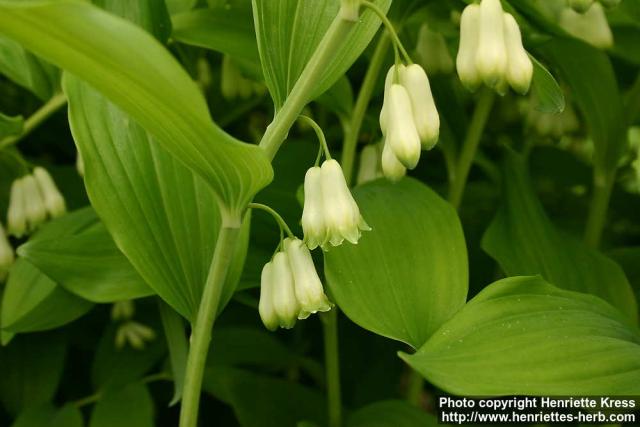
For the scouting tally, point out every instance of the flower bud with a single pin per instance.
(6, 254)
(393, 76)
(402, 135)
(591, 27)
(491, 56)
(53, 200)
(466, 59)
(341, 213)
(369, 168)
(265, 306)
(432, 52)
(580, 6)
(313, 221)
(423, 107)
(308, 288)
(285, 303)
(34, 203)
(391, 166)
(122, 310)
(79, 164)
(17, 214)
(519, 65)
(229, 76)
(136, 334)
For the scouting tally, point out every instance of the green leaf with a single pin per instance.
(84, 261)
(409, 274)
(32, 367)
(524, 242)
(391, 413)
(178, 6)
(174, 331)
(226, 29)
(143, 79)
(27, 70)
(589, 74)
(33, 302)
(114, 367)
(67, 416)
(151, 15)
(162, 216)
(130, 406)
(10, 125)
(523, 336)
(263, 401)
(546, 92)
(240, 346)
(288, 33)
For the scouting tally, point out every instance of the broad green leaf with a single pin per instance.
(288, 33)
(27, 70)
(409, 274)
(84, 261)
(33, 302)
(523, 336)
(32, 367)
(626, 39)
(225, 29)
(130, 406)
(10, 125)
(589, 74)
(175, 333)
(162, 216)
(391, 413)
(629, 259)
(143, 79)
(116, 367)
(547, 95)
(178, 6)
(48, 415)
(525, 242)
(151, 15)
(264, 401)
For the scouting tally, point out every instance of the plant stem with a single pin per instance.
(39, 116)
(281, 222)
(470, 146)
(201, 335)
(360, 108)
(319, 133)
(389, 26)
(332, 366)
(602, 186)
(311, 76)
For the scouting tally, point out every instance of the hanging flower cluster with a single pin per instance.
(290, 288)
(33, 198)
(591, 26)
(491, 50)
(370, 167)
(330, 213)
(234, 85)
(409, 119)
(6, 254)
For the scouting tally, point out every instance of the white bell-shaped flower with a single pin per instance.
(35, 208)
(307, 285)
(466, 59)
(369, 168)
(265, 306)
(402, 135)
(313, 219)
(393, 76)
(285, 303)
(592, 26)
(519, 65)
(342, 217)
(391, 166)
(425, 115)
(6, 254)
(491, 56)
(580, 6)
(17, 213)
(53, 200)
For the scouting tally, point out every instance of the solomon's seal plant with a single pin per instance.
(286, 213)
